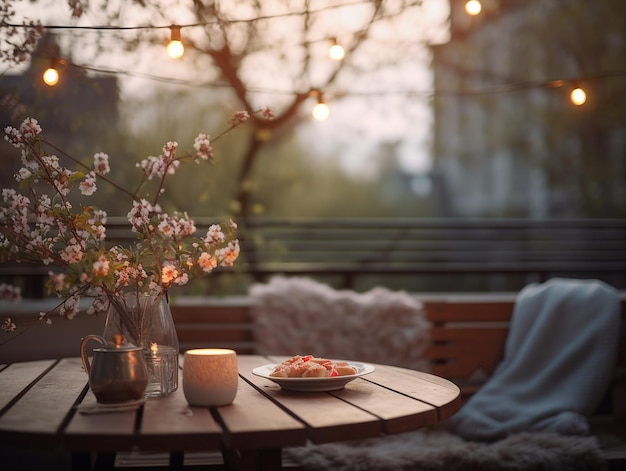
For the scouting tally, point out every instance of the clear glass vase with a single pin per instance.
(146, 321)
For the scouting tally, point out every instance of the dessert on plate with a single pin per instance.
(309, 366)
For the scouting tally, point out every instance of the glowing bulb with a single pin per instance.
(578, 96)
(473, 7)
(336, 52)
(175, 48)
(321, 111)
(51, 76)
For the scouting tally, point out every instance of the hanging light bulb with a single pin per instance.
(336, 52)
(320, 110)
(51, 74)
(473, 7)
(578, 96)
(175, 48)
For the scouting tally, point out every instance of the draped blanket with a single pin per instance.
(559, 356)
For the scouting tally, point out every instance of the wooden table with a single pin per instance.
(38, 399)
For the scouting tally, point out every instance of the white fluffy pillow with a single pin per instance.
(301, 316)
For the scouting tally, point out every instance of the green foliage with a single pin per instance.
(288, 179)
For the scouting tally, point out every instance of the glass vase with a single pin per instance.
(146, 321)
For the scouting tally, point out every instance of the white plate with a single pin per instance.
(330, 383)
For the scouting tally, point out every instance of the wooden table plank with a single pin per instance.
(433, 390)
(16, 377)
(399, 413)
(39, 414)
(102, 432)
(254, 421)
(327, 417)
(169, 422)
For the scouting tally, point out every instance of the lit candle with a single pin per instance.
(210, 376)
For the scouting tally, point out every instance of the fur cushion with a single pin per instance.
(294, 315)
(439, 450)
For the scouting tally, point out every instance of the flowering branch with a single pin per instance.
(47, 229)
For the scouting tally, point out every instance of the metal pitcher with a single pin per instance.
(117, 373)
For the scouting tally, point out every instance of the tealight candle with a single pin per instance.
(210, 376)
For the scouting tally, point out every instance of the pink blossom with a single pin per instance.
(162, 165)
(203, 148)
(43, 209)
(98, 305)
(207, 262)
(69, 308)
(101, 163)
(62, 180)
(98, 232)
(13, 136)
(140, 213)
(214, 235)
(101, 266)
(169, 149)
(182, 279)
(23, 174)
(8, 325)
(229, 254)
(73, 253)
(30, 129)
(239, 117)
(267, 112)
(58, 280)
(99, 215)
(168, 274)
(177, 226)
(88, 185)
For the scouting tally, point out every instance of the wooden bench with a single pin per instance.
(468, 335)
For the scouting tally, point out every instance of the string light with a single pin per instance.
(320, 110)
(473, 7)
(51, 75)
(578, 95)
(336, 51)
(425, 94)
(175, 48)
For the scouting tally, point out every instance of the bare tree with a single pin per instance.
(269, 53)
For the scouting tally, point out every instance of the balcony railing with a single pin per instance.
(411, 254)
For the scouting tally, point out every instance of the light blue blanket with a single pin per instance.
(558, 360)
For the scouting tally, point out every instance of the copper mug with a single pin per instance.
(117, 373)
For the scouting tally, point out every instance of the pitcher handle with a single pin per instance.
(83, 349)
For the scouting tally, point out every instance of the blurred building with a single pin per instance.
(79, 114)
(507, 140)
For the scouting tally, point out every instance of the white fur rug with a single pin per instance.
(443, 451)
(295, 315)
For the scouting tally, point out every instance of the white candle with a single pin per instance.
(210, 376)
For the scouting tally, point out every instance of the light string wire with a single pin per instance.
(495, 89)
(427, 94)
(208, 23)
